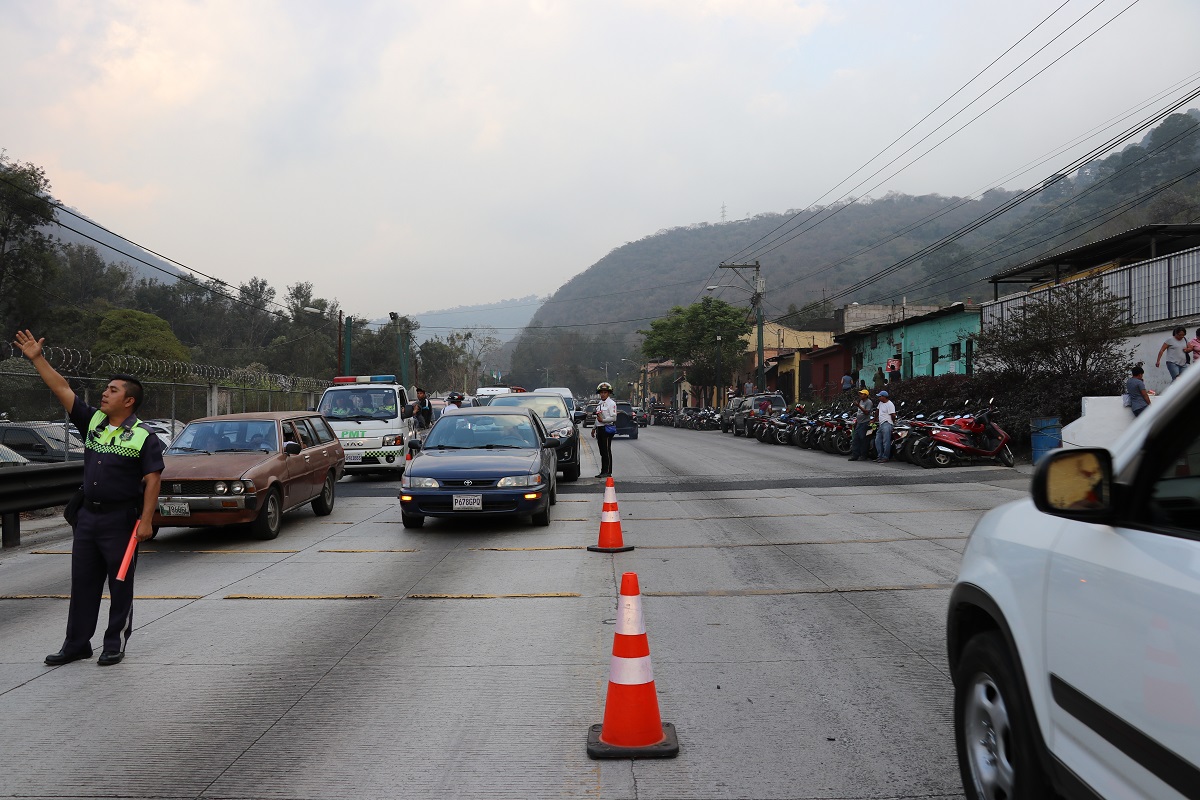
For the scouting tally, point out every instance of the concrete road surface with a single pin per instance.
(794, 604)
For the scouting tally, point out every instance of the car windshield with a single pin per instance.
(243, 435)
(54, 432)
(368, 402)
(478, 431)
(546, 406)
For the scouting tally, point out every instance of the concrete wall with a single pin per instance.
(1145, 349)
(915, 341)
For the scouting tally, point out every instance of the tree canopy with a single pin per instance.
(706, 337)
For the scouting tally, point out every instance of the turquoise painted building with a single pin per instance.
(936, 343)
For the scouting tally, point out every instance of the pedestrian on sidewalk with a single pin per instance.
(1176, 351)
(880, 380)
(122, 469)
(862, 421)
(1135, 387)
(886, 411)
(605, 428)
(847, 382)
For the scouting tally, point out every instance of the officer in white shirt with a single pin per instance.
(606, 420)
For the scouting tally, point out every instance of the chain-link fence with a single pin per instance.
(176, 392)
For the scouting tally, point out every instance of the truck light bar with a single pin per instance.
(365, 379)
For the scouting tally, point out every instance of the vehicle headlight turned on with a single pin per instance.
(396, 440)
(409, 482)
(520, 480)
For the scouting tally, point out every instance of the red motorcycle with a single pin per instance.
(967, 439)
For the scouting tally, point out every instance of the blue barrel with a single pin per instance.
(1045, 435)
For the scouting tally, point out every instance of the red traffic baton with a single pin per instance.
(129, 551)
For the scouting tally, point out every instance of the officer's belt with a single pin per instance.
(125, 505)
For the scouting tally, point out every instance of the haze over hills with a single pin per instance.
(76, 228)
(508, 317)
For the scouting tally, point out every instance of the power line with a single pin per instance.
(956, 92)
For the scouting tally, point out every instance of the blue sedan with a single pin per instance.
(482, 462)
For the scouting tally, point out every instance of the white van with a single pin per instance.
(366, 413)
(562, 390)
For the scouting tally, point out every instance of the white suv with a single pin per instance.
(1074, 628)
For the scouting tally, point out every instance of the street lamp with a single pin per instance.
(756, 294)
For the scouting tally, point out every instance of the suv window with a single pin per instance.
(322, 429)
(1175, 495)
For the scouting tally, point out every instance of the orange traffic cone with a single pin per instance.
(610, 524)
(632, 727)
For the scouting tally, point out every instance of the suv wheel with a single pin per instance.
(993, 728)
(571, 473)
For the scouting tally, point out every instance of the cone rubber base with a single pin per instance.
(595, 548)
(667, 748)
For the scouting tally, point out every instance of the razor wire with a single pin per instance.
(84, 362)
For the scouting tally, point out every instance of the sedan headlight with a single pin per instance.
(409, 482)
(520, 480)
(236, 487)
(563, 432)
(396, 440)
(220, 487)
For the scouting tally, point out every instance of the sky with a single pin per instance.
(407, 156)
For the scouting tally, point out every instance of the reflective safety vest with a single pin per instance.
(122, 441)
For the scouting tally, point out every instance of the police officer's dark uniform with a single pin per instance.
(115, 462)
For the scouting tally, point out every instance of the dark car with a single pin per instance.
(589, 414)
(480, 462)
(642, 416)
(556, 416)
(730, 410)
(45, 442)
(750, 410)
(249, 468)
(626, 423)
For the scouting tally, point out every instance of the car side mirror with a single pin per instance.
(577, 416)
(291, 448)
(414, 445)
(1076, 484)
(38, 447)
(552, 441)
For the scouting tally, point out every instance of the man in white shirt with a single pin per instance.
(886, 411)
(606, 415)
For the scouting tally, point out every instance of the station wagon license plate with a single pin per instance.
(174, 509)
(467, 502)
(353, 458)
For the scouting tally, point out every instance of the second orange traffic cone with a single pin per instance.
(632, 727)
(610, 524)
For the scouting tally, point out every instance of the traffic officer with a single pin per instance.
(122, 466)
(606, 417)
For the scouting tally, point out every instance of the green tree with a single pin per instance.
(25, 210)
(125, 332)
(689, 336)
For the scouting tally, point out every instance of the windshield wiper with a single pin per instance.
(243, 450)
(504, 446)
(450, 447)
(190, 450)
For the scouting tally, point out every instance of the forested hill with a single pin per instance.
(1151, 181)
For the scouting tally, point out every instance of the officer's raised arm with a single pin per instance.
(32, 348)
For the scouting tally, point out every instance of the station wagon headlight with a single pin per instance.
(396, 440)
(236, 487)
(520, 480)
(220, 487)
(409, 482)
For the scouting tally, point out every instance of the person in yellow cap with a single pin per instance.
(862, 422)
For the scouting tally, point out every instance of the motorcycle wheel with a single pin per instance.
(1006, 457)
(781, 436)
(935, 457)
(917, 453)
(761, 433)
(844, 443)
(828, 444)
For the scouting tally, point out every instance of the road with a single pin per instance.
(794, 604)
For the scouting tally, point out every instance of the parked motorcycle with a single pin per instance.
(966, 439)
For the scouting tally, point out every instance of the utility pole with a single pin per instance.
(760, 287)
(340, 358)
(717, 402)
(401, 346)
(348, 338)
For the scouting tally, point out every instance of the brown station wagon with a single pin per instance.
(249, 468)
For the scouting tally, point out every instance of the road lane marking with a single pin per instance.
(528, 549)
(369, 551)
(146, 552)
(301, 597)
(492, 596)
(816, 590)
(105, 597)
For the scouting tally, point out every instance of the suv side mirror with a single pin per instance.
(414, 445)
(551, 442)
(1075, 484)
(291, 448)
(578, 416)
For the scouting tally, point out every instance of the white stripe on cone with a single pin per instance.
(630, 671)
(610, 516)
(610, 495)
(630, 621)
